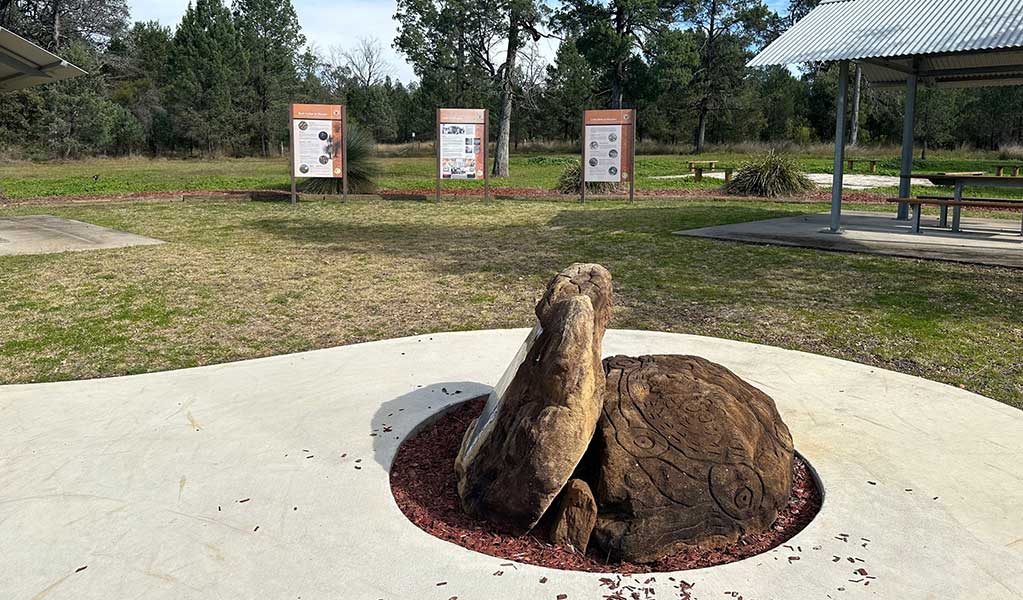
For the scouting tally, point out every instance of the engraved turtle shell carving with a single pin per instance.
(687, 453)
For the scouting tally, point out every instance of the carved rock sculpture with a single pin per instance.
(576, 515)
(518, 455)
(688, 454)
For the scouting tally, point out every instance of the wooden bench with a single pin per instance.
(962, 173)
(711, 164)
(945, 202)
(1000, 169)
(700, 171)
(851, 162)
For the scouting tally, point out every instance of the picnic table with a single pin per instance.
(958, 182)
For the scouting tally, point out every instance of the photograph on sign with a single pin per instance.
(317, 152)
(461, 151)
(603, 153)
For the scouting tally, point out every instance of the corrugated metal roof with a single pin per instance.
(23, 64)
(861, 29)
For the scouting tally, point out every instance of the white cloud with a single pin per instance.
(325, 23)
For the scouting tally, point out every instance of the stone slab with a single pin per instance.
(992, 242)
(269, 479)
(45, 234)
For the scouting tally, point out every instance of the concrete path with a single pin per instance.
(850, 181)
(45, 234)
(269, 479)
(993, 242)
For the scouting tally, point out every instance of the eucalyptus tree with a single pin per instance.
(727, 32)
(612, 35)
(470, 41)
(55, 24)
(570, 84)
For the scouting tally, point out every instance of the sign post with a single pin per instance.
(461, 145)
(318, 149)
(609, 149)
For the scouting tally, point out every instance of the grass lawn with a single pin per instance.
(22, 179)
(246, 279)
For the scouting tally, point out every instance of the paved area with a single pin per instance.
(850, 181)
(994, 242)
(45, 234)
(269, 479)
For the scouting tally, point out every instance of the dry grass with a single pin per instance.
(241, 280)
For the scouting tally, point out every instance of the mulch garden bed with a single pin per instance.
(499, 193)
(424, 486)
(818, 196)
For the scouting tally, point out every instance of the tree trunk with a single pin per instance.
(56, 25)
(616, 92)
(617, 81)
(854, 132)
(701, 130)
(707, 67)
(503, 149)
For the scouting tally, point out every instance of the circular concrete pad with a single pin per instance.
(269, 479)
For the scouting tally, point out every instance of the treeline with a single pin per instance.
(219, 82)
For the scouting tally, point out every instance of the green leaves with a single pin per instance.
(208, 67)
(363, 170)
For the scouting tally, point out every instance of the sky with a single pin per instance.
(327, 23)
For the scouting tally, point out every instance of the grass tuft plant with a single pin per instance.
(363, 170)
(770, 176)
(570, 181)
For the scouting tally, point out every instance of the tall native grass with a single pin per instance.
(571, 180)
(770, 176)
(363, 170)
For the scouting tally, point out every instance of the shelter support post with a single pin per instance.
(836, 181)
(906, 166)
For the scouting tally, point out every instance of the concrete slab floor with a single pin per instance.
(851, 181)
(45, 234)
(993, 242)
(269, 479)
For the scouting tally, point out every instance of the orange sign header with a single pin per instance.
(461, 115)
(316, 111)
(609, 117)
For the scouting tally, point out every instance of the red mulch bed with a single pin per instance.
(166, 196)
(424, 486)
(499, 192)
(818, 196)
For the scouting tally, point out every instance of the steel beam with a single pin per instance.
(836, 180)
(906, 166)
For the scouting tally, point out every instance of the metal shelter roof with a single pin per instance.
(24, 64)
(949, 43)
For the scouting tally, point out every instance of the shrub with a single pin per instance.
(570, 181)
(363, 169)
(771, 175)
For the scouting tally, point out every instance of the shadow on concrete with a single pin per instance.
(987, 242)
(403, 417)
